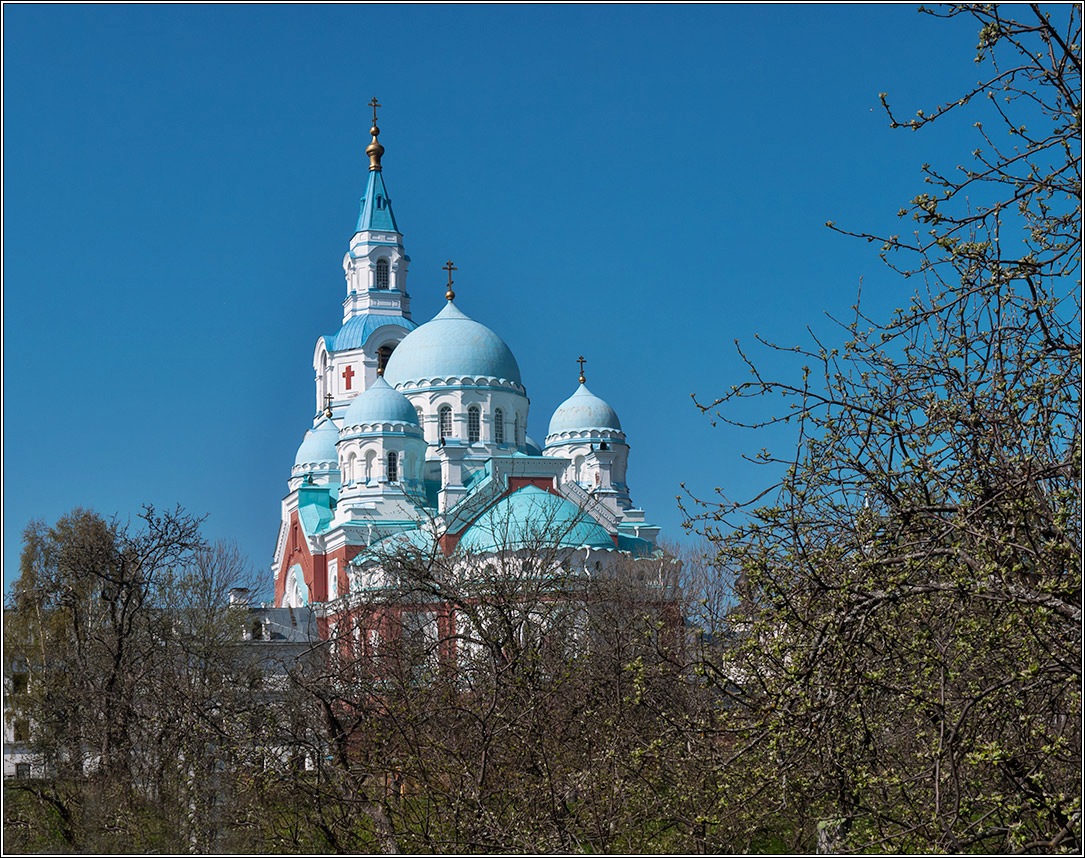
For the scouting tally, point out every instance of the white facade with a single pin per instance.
(420, 427)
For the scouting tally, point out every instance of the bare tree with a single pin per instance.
(510, 695)
(134, 691)
(905, 662)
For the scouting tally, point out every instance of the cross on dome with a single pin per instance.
(581, 360)
(449, 267)
(374, 150)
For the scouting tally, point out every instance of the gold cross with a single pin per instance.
(580, 360)
(449, 267)
(374, 104)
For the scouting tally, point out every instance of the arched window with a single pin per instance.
(383, 353)
(393, 467)
(474, 423)
(499, 426)
(516, 430)
(382, 274)
(421, 419)
(444, 421)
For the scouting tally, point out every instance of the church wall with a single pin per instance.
(459, 399)
(312, 566)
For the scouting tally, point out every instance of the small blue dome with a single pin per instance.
(583, 411)
(380, 403)
(533, 518)
(451, 344)
(319, 444)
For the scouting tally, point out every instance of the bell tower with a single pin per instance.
(377, 308)
(375, 264)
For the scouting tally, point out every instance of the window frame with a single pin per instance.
(474, 424)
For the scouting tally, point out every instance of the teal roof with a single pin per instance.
(375, 207)
(319, 444)
(635, 545)
(531, 518)
(357, 330)
(314, 509)
(451, 344)
(405, 544)
(380, 403)
(583, 411)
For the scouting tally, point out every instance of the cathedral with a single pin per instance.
(420, 439)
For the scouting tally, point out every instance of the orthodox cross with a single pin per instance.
(449, 267)
(375, 104)
(327, 405)
(580, 360)
(348, 374)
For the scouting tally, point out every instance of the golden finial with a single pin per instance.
(580, 360)
(327, 405)
(374, 150)
(380, 372)
(449, 267)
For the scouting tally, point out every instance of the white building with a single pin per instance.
(420, 434)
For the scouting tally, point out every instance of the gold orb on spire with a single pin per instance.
(581, 360)
(374, 150)
(449, 267)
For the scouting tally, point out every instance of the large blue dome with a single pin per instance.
(452, 345)
(581, 412)
(319, 444)
(380, 403)
(533, 519)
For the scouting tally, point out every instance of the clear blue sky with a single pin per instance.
(640, 184)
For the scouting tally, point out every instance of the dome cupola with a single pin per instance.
(317, 450)
(583, 412)
(380, 405)
(452, 346)
(530, 519)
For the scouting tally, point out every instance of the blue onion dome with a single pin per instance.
(318, 447)
(451, 345)
(583, 412)
(380, 403)
(532, 518)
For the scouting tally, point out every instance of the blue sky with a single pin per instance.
(640, 184)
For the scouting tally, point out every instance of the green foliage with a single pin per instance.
(134, 692)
